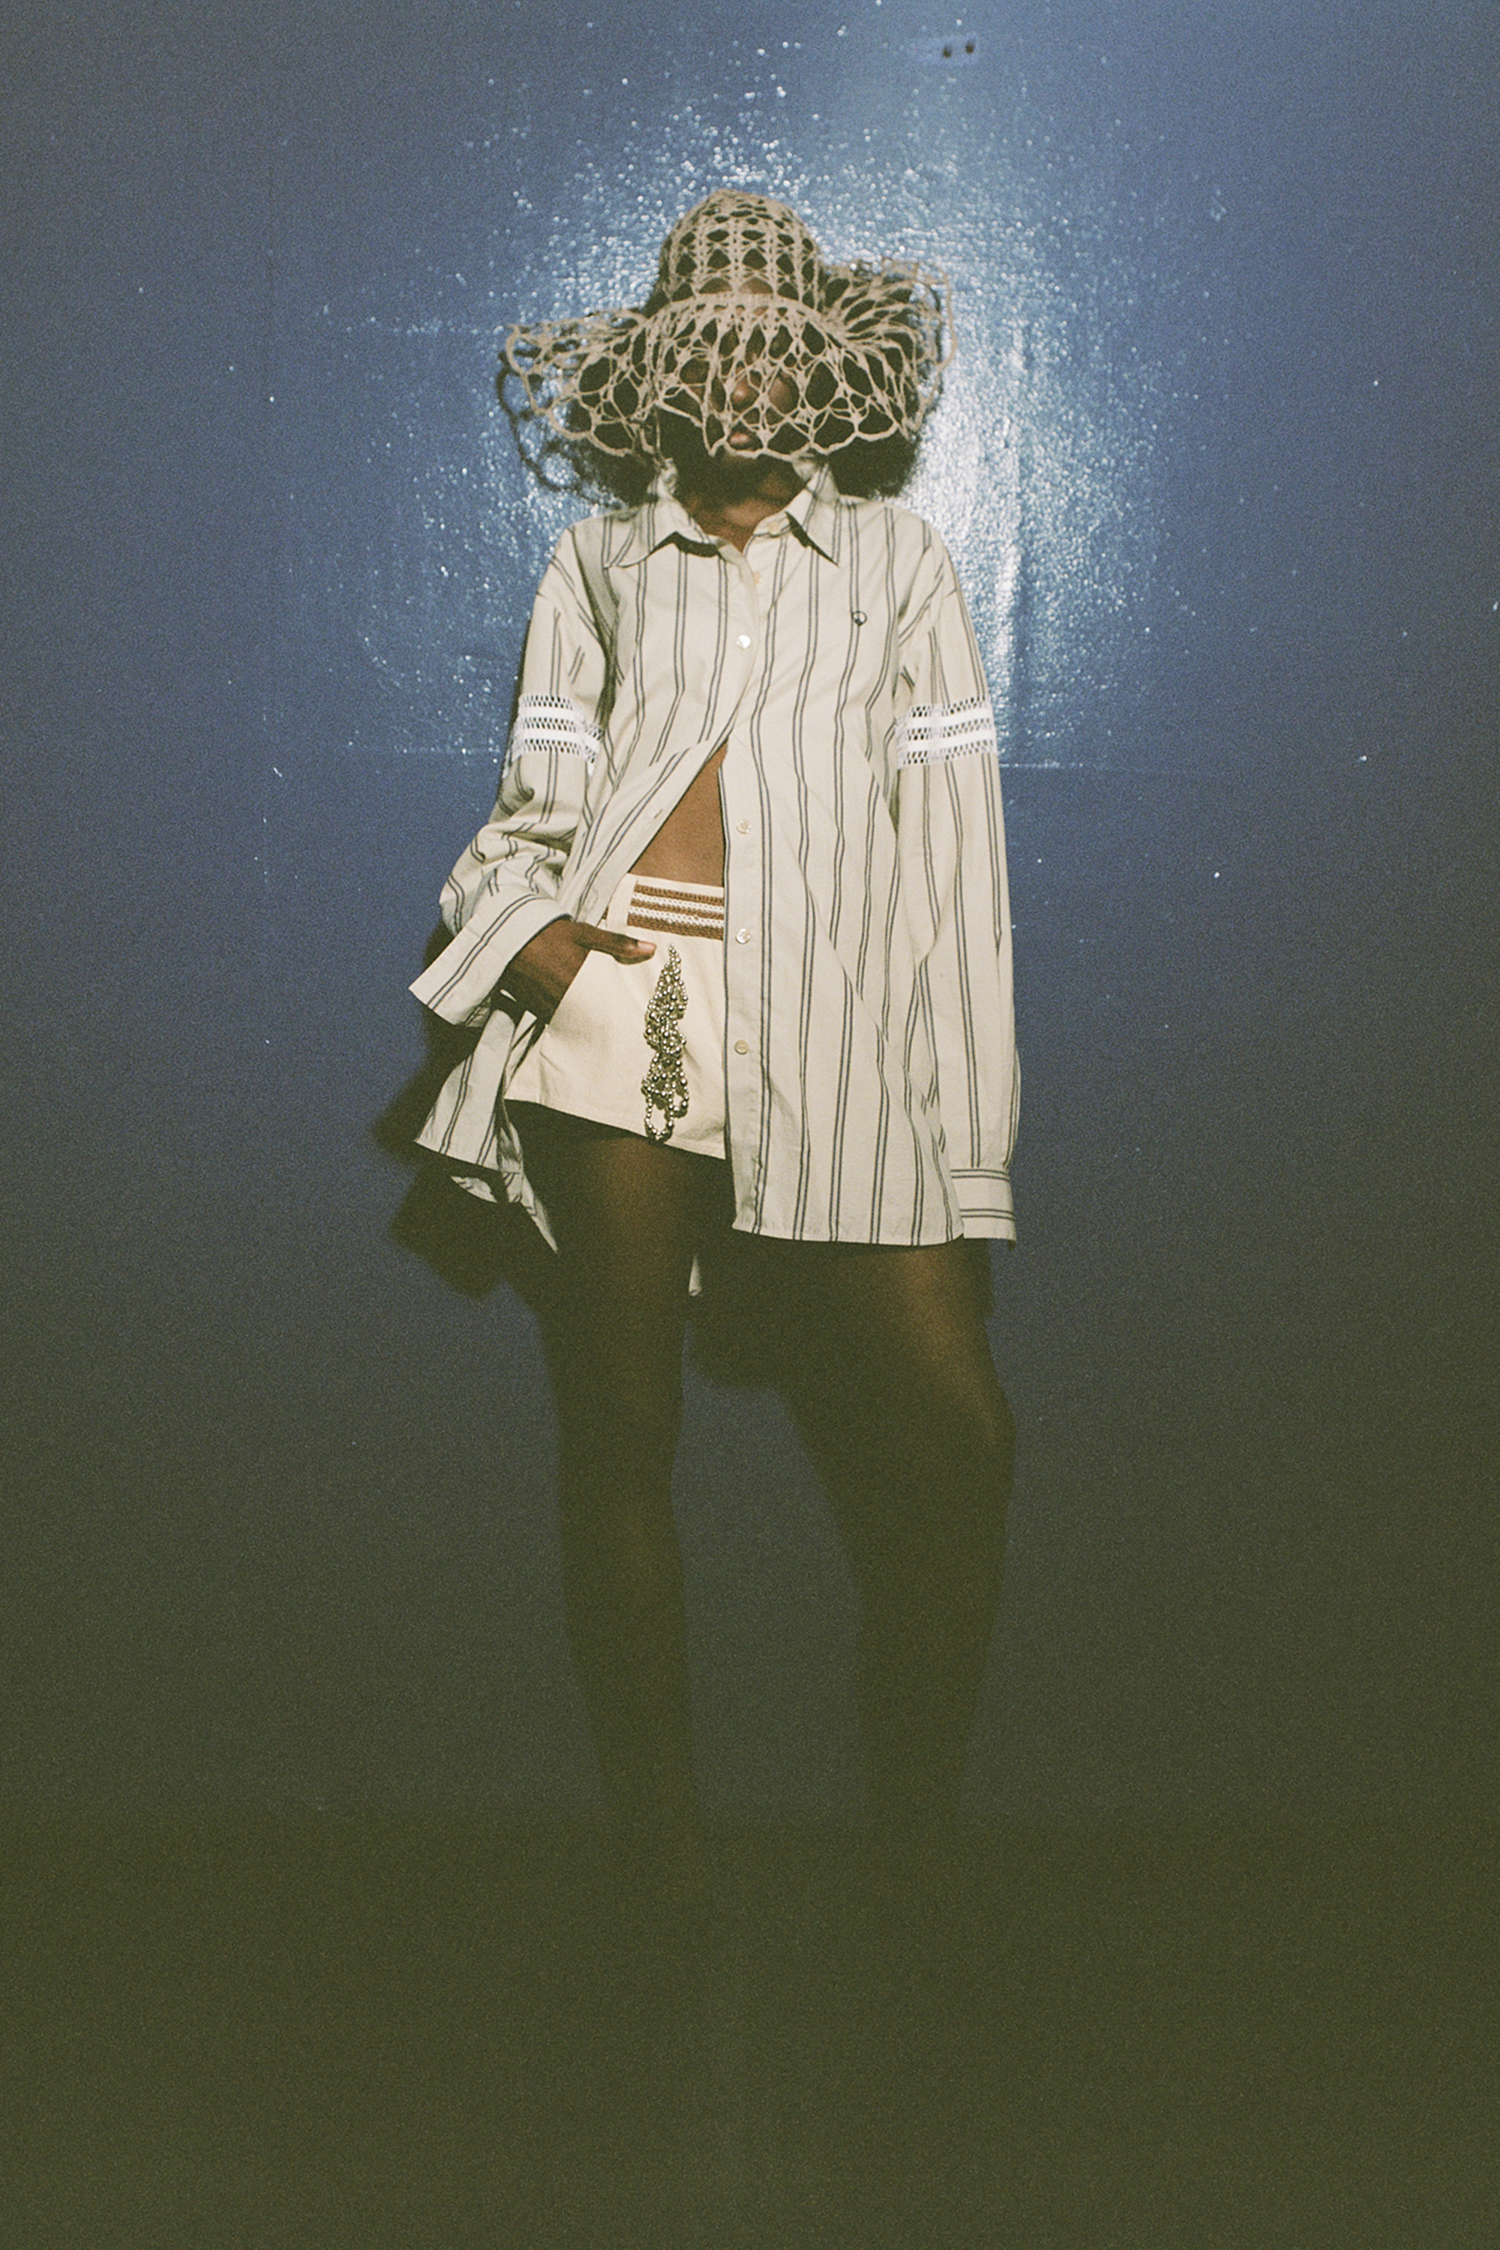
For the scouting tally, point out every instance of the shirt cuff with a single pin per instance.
(461, 981)
(984, 1201)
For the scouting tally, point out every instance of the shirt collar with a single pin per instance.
(814, 512)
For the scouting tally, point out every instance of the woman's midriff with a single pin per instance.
(689, 845)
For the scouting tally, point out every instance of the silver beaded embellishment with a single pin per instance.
(665, 1085)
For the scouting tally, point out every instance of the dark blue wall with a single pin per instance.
(1218, 459)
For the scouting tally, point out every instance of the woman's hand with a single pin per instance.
(541, 972)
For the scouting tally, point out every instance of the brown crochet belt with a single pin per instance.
(679, 909)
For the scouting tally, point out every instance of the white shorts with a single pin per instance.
(640, 1044)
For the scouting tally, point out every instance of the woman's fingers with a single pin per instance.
(620, 943)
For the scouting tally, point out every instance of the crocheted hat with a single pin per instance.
(748, 330)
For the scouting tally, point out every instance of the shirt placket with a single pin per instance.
(750, 577)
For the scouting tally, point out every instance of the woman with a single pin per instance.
(738, 938)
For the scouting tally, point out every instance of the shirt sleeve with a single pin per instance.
(952, 846)
(504, 887)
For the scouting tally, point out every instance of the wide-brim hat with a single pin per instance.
(750, 330)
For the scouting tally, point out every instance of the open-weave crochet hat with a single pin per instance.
(748, 328)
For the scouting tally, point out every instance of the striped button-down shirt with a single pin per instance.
(869, 1046)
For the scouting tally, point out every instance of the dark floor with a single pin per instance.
(315, 2033)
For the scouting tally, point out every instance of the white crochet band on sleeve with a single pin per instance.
(945, 730)
(547, 723)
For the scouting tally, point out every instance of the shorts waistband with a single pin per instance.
(680, 909)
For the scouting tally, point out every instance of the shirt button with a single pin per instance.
(742, 827)
(742, 937)
(742, 1046)
(757, 575)
(743, 639)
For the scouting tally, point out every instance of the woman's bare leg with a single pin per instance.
(627, 1215)
(898, 1396)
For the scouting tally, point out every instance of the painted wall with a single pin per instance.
(1218, 462)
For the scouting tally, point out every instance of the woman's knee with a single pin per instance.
(623, 1429)
(987, 1427)
(949, 1404)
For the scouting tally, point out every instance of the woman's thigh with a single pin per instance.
(889, 1377)
(628, 1216)
(900, 1334)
